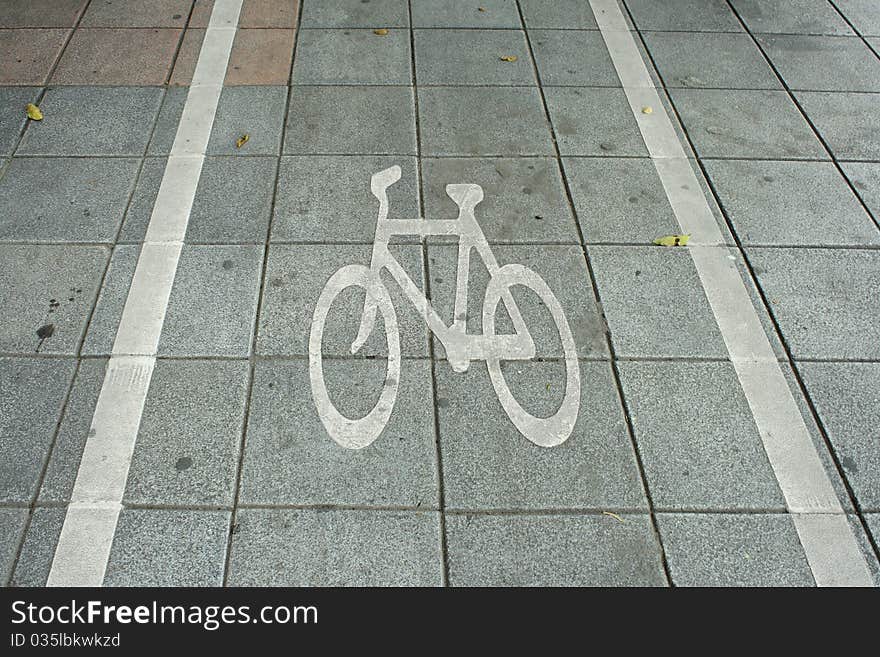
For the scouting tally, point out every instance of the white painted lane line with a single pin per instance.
(83, 547)
(830, 546)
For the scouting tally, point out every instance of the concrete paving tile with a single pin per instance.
(684, 15)
(704, 549)
(619, 199)
(574, 58)
(450, 13)
(187, 448)
(38, 548)
(352, 56)
(233, 201)
(548, 550)
(254, 13)
(351, 120)
(260, 57)
(790, 16)
(168, 547)
(847, 398)
(140, 209)
(483, 121)
(654, 303)
(523, 198)
(865, 178)
(847, 122)
(716, 462)
(93, 121)
(750, 124)
(166, 124)
(862, 14)
(118, 57)
(254, 111)
(29, 55)
(73, 432)
(472, 57)
(823, 299)
(12, 522)
(823, 63)
(32, 392)
(65, 199)
(136, 13)
(47, 293)
(736, 62)
(187, 57)
(563, 269)
(111, 301)
(12, 114)
(558, 15)
(275, 547)
(488, 464)
(290, 460)
(305, 212)
(295, 277)
(791, 203)
(873, 520)
(213, 303)
(590, 121)
(355, 13)
(41, 13)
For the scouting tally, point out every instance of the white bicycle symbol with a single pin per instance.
(461, 347)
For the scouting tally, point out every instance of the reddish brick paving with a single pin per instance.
(29, 54)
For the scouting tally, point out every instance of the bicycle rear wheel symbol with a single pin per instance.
(461, 348)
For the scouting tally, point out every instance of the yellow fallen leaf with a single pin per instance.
(509, 58)
(381, 32)
(613, 515)
(481, 9)
(241, 141)
(647, 109)
(33, 112)
(672, 240)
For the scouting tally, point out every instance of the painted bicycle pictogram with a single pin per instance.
(461, 348)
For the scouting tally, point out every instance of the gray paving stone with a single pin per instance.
(590, 121)
(140, 208)
(654, 303)
(173, 547)
(472, 57)
(704, 549)
(735, 63)
(65, 199)
(47, 293)
(523, 198)
(354, 13)
(823, 299)
(563, 269)
(684, 15)
(254, 111)
(699, 445)
(574, 58)
(12, 522)
(790, 16)
(351, 120)
(73, 432)
(352, 56)
(791, 203)
(213, 303)
(93, 121)
(451, 13)
(826, 63)
(38, 548)
(290, 460)
(873, 520)
(275, 547)
(619, 199)
(483, 121)
(847, 398)
(307, 211)
(751, 124)
(167, 121)
(12, 114)
(187, 449)
(558, 15)
(862, 14)
(552, 550)
(865, 178)
(488, 464)
(295, 277)
(111, 301)
(32, 394)
(848, 122)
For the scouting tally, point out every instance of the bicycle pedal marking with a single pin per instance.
(461, 348)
